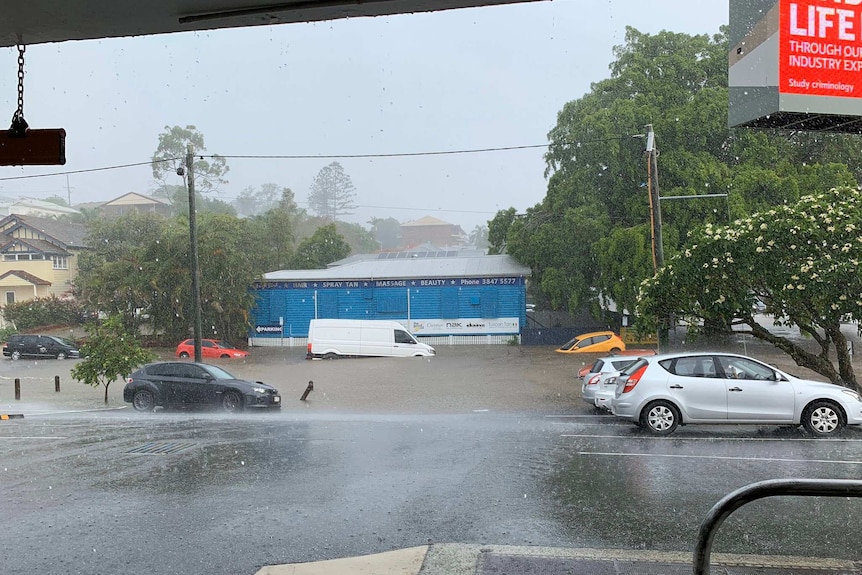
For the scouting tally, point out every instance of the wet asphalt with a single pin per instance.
(484, 445)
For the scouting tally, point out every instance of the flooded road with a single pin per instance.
(487, 445)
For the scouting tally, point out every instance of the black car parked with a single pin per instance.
(190, 384)
(28, 345)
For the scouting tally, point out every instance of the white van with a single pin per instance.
(330, 338)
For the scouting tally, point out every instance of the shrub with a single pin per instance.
(39, 312)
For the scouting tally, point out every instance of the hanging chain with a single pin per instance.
(19, 125)
(20, 112)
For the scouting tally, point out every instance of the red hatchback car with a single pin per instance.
(212, 348)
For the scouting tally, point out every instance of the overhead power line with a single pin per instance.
(85, 171)
(322, 157)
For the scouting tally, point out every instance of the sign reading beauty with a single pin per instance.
(820, 47)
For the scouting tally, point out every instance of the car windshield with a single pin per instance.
(249, 172)
(569, 344)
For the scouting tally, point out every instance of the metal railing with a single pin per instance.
(770, 488)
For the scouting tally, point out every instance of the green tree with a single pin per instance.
(253, 202)
(597, 170)
(332, 193)
(498, 231)
(359, 240)
(170, 156)
(625, 256)
(324, 247)
(479, 237)
(273, 234)
(386, 232)
(109, 353)
(801, 260)
(55, 199)
(139, 266)
(115, 275)
(226, 274)
(205, 205)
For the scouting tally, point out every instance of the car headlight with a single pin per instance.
(237, 354)
(260, 390)
(853, 394)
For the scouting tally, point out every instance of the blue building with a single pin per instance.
(443, 300)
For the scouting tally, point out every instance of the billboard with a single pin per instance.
(820, 51)
(796, 64)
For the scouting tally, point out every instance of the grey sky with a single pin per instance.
(464, 79)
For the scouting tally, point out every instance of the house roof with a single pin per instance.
(63, 232)
(27, 277)
(134, 199)
(426, 221)
(32, 203)
(444, 267)
(34, 244)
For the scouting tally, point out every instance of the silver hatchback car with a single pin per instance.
(662, 392)
(602, 369)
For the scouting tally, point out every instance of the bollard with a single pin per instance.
(308, 390)
(17, 388)
(57, 384)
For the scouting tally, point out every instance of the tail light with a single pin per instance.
(309, 347)
(594, 379)
(634, 378)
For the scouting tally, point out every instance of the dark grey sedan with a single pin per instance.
(188, 384)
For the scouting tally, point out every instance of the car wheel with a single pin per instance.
(615, 350)
(61, 355)
(224, 356)
(660, 417)
(231, 402)
(822, 418)
(184, 354)
(329, 356)
(16, 354)
(144, 400)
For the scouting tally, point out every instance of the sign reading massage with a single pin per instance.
(820, 50)
(394, 283)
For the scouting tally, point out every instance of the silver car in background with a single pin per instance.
(602, 369)
(662, 392)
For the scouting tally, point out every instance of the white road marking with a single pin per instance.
(591, 416)
(721, 457)
(95, 410)
(35, 437)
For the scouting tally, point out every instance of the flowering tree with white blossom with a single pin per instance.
(801, 261)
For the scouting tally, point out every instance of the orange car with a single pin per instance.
(594, 342)
(209, 348)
